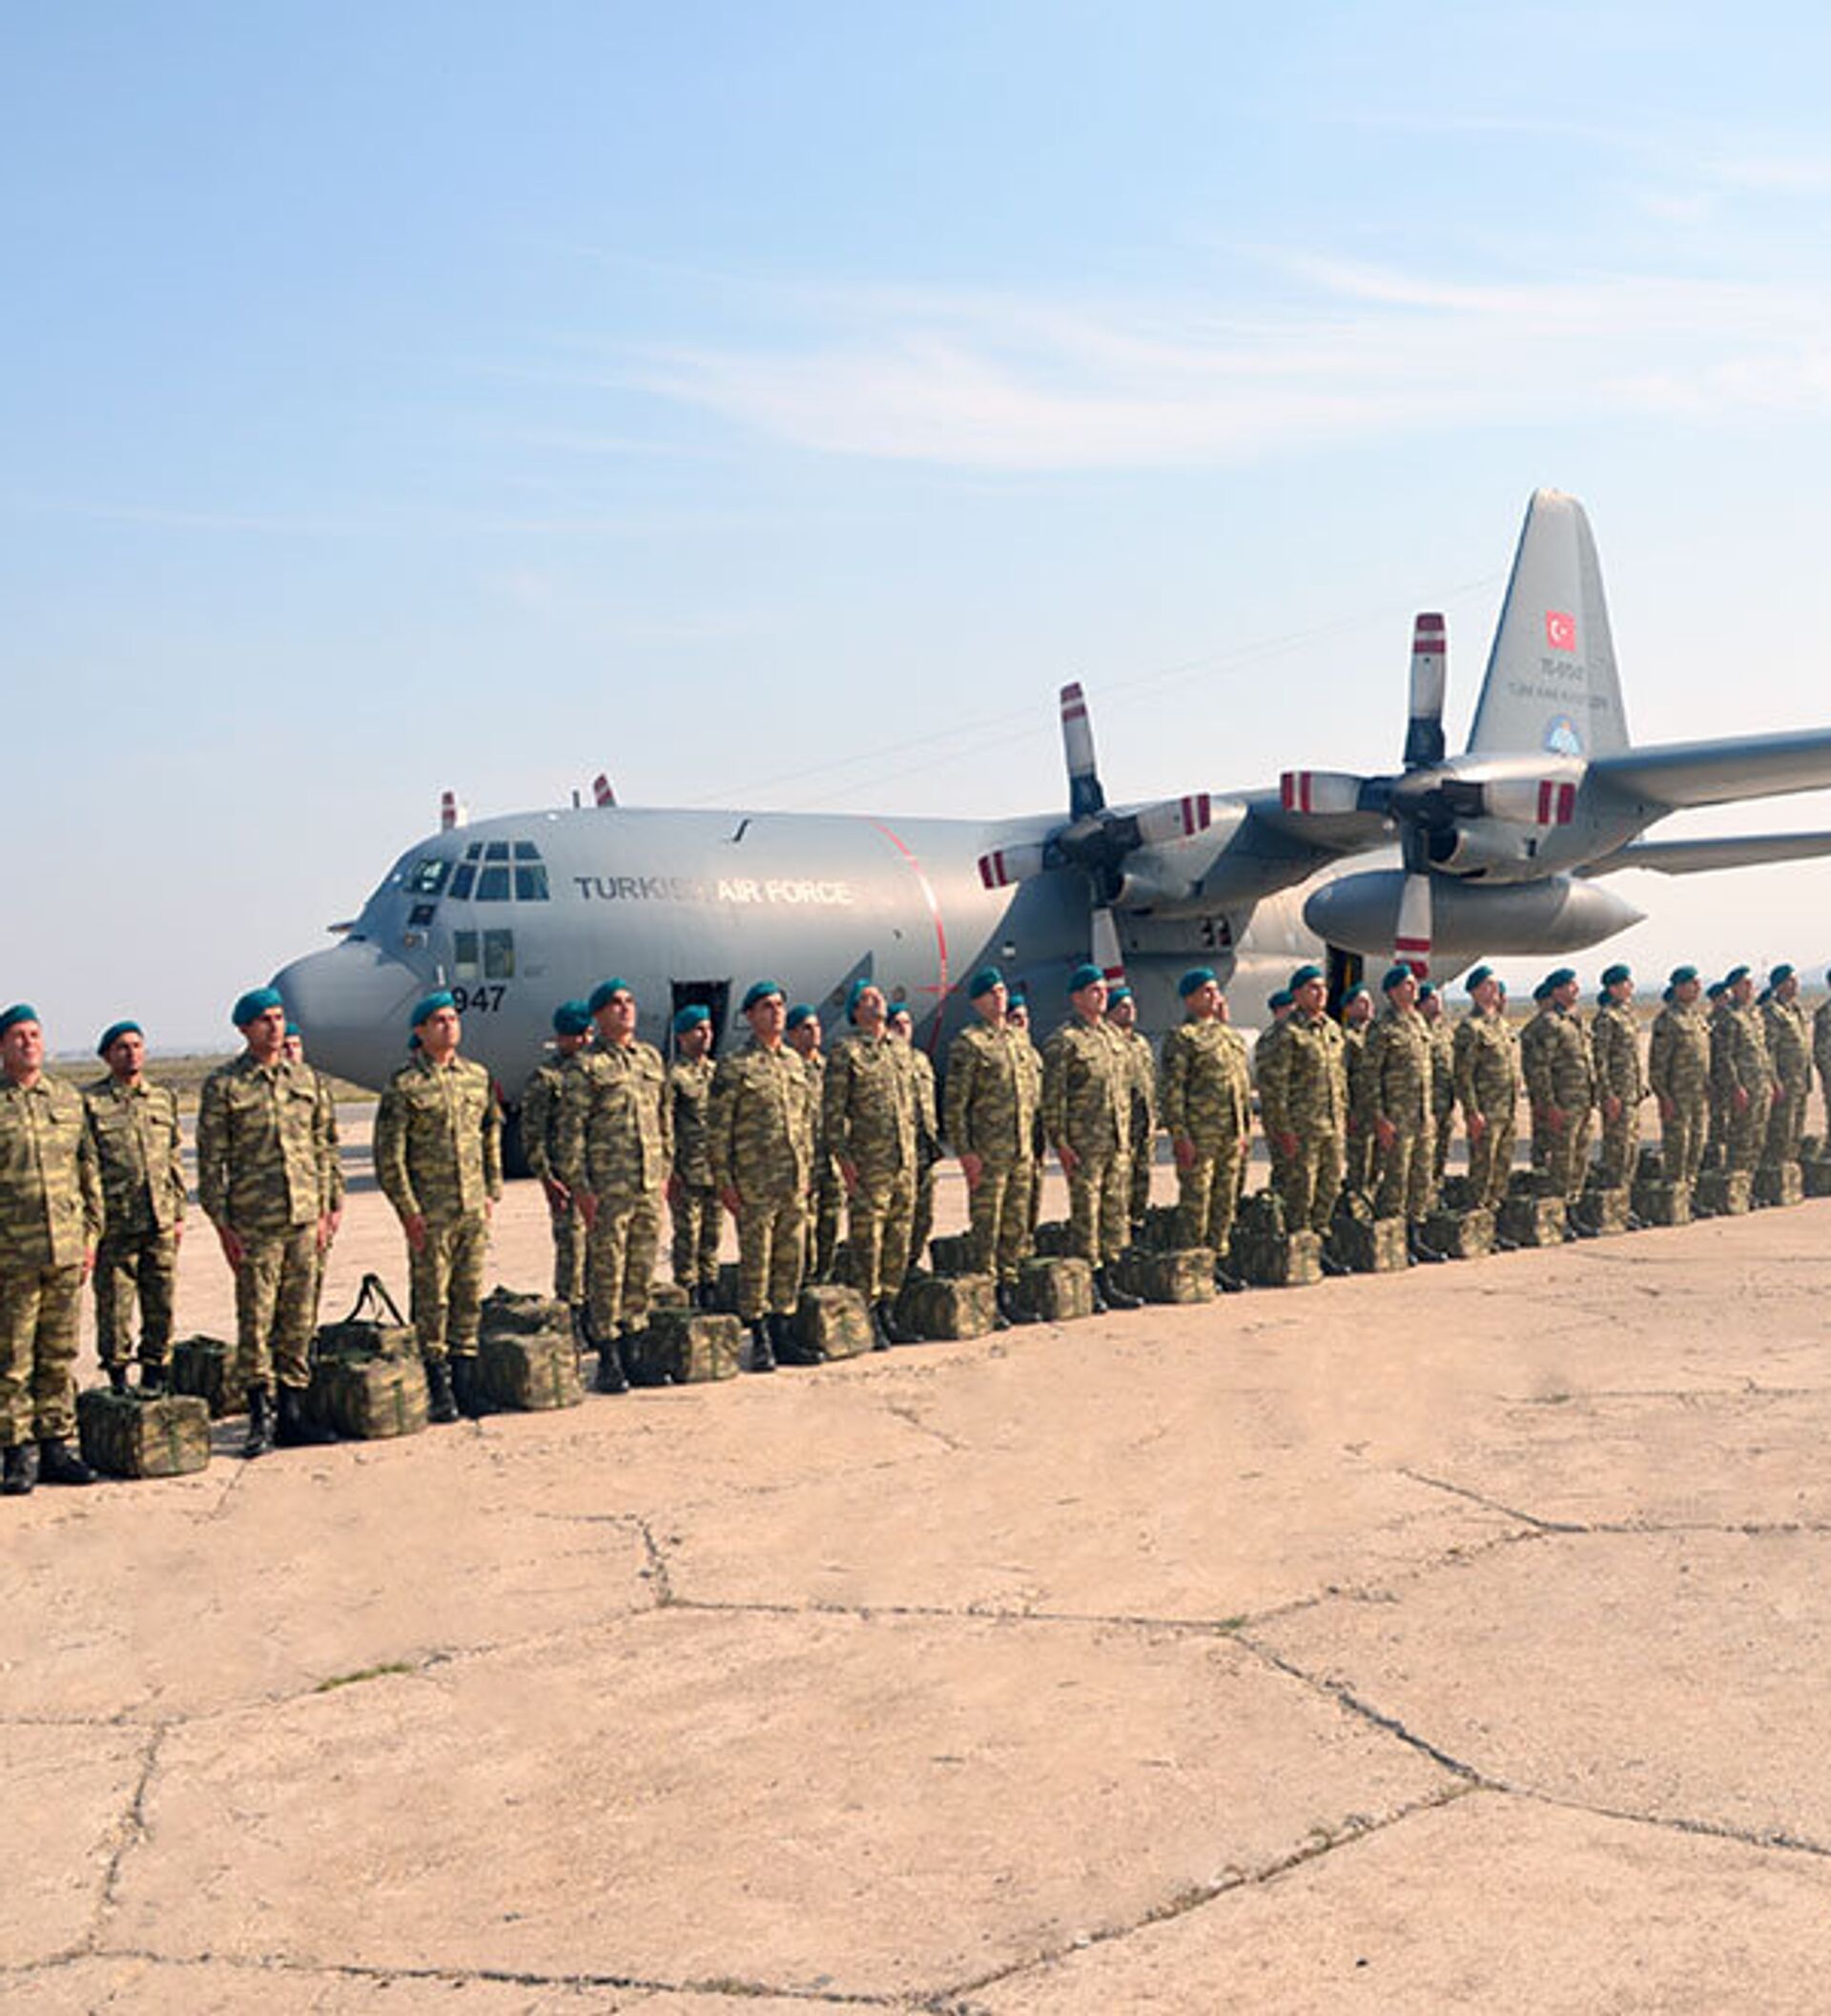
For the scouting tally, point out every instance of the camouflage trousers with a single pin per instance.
(40, 1314)
(1747, 1134)
(275, 1287)
(695, 1257)
(877, 1222)
(132, 1267)
(1682, 1140)
(1307, 1182)
(999, 1218)
(1405, 1189)
(1443, 1122)
(1357, 1162)
(1786, 1127)
(1620, 1147)
(446, 1277)
(771, 1247)
(1566, 1154)
(1208, 1193)
(1137, 1196)
(569, 1254)
(620, 1260)
(1099, 1188)
(823, 1221)
(1490, 1160)
(921, 1217)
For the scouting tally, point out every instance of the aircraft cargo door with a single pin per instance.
(713, 995)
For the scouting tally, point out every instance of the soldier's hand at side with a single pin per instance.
(1476, 1126)
(587, 1204)
(1739, 1098)
(88, 1262)
(1385, 1132)
(414, 1225)
(1286, 1143)
(731, 1201)
(972, 1167)
(1665, 1107)
(1774, 1098)
(1612, 1107)
(233, 1249)
(850, 1171)
(1067, 1156)
(1184, 1149)
(558, 1197)
(673, 1190)
(177, 1233)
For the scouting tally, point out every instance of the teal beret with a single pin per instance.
(1196, 976)
(254, 1004)
(571, 1019)
(800, 1012)
(1428, 992)
(19, 1012)
(1303, 977)
(1542, 992)
(429, 1004)
(690, 1016)
(855, 990)
(1475, 978)
(1120, 993)
(413, 1042)
(1614, 975)
(1278, 997)
(1680, 975)
(292, 1029)
(113, 1033)
(601, 994)
(1561, 978)
(1084, 976)
(1394, 977)
(1018, 998)
(761, 991)
(1357, 992)
(1734, 974)
(1716, 990)
(1782, 972)
(983, 981)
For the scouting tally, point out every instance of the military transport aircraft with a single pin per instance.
(1497, 853)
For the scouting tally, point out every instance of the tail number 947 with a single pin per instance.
(483, 1000)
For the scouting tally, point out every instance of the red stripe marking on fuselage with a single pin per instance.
(941, 929)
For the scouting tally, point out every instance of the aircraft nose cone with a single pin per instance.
(352, 1002)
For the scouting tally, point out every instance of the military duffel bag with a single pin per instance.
(684, 1347)
(1363, 1244)
(1180, 1274)
(1662, 1203)
(833, 1321)
(950, 1253)
(368, 1399)
(1057, 1291)
(510, 1313)
(126, 1436)
(374, 1327)
(1530, 1220)
(530, 1375)
(1460, 1235)
(1722, 1193)
(204, 1367)
(1601, 1209)
(941, 1308)
(1779, 1184)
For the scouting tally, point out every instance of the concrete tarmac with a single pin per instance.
(1447, 1641)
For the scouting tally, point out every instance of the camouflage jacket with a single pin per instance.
(868, 1115)
(1742, 1063)
(1559, 1070)
(140, 1152)
(761, 1129)
(1822, 1041)
(1679, 1055)
(1615, 1044)
(617, 1123)
(1443, 1067)
(928, 1118)
(267, 1155)
(1303, 1082)
(1395, 1078)
(542, 1102)
(1207, 1088)
(1137, 1054)
(1486, 1064)
(690, 1088)
(1789, 1046)
(438, 1139)
(50, 1193)
(993, 1086)
(1087, 1088)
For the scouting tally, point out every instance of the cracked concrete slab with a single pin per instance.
(68, 1799)
(808, 1803)
(1493, 1903)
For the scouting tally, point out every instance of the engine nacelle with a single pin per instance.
(1360, 912)
(1486, 846)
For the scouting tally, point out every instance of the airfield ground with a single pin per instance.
(1450, 1641)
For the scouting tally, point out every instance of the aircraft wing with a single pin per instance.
(1690, 857)
(1675, 774)
(1324, 834)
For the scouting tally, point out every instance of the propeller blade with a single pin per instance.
(1320, 791)
(1429, 676)
(1105, 946)
(1006, 865)
(1174, 819)
(1411, 942)
(601, 791)
(1085, 794)
(1532, 801)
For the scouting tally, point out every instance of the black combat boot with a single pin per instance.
(467, 1386)
(1102, 1306)
(879, 1336)
(1228, 1283)
(893, 1331)
(787, 1348)
(152, 1381)
(19, 1470)
(60, 1463)
(260, 1423)
(117, 1379)
(1009, 1304)
(441, 1403)
(1000, 1320)
(761, 1346)
(1114, 1296)
(706, 1297)
(1414, 1240)
(611, 1377)
(294, 1428)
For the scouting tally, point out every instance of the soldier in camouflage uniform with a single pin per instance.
(1487, 1067)
(1357, 1019)
(1679, 1072)
(869, 1126)
(1278, 1008)
(902, 1025)
(1396, 1107)
(293, 1050)
(1303, 1104)
(693, 1196)
(1017, 1015)
(438, 1162)
(543, 1101)
(267, 1171)
(828, 1192)
(1822, 1057)
(1087, 1120)
(1206, 1103)
(1747, 1087)
(616, 1148)
(1122, 1012)
(992, 1099)
(1560, 1082)
(1532, 1039)
(1789, 1046)
(134, 1124)
(1443, 1082)
(1615, 1045)
(1717, 1135)
(50, 1217)
(762, 1150)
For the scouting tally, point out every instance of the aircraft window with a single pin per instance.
(462, 878)
(527, 850)
(493, 886)
(423, 914)
(495, 851)
(429, 877)
(499, 954)
(464, 956)
(531, 882)
(474, 852)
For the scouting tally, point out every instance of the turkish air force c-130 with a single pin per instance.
(1497, 852)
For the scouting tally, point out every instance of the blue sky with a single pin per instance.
(728, 397)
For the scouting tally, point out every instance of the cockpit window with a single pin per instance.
(531, 882)
(426, 877)
(493, 886)
(495, 851)
(499, 872)
(462, 878)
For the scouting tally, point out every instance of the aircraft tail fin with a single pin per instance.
(1551, 681)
